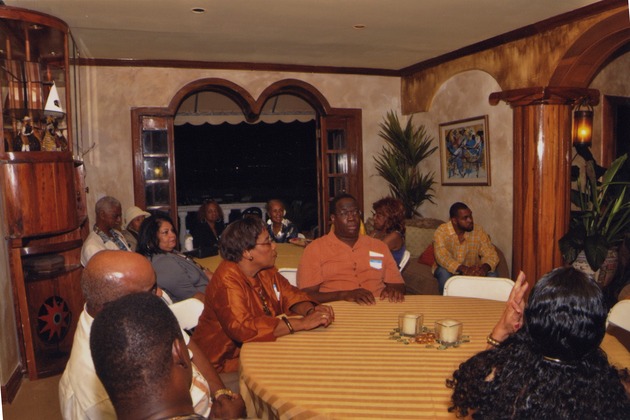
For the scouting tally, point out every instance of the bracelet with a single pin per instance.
(309, 311)
(492, 341)
(289, 326)
(221, 392)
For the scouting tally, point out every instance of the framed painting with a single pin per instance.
(465, 152)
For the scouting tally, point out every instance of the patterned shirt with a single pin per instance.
(475, 250)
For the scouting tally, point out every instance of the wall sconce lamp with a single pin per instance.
(583, 123)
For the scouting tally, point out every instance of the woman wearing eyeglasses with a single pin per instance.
(246, 296)
(179, 276)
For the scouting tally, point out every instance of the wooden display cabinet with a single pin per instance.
(41, 184)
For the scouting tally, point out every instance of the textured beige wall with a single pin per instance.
(109, 93)
(465, 95)
(526, 62)
(614, 80)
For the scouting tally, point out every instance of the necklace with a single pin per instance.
(264, 301)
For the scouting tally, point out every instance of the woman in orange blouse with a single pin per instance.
(247, 295)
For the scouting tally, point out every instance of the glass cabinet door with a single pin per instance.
(340, 161)
(156, 163)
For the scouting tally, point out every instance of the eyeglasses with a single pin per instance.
(344, 214)
(267, 242)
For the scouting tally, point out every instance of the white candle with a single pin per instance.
(409, 323)
(448, 330)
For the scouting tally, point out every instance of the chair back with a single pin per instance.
(491, 288)
(187, 312)
(620, 315)
(289, 274)
(404, 260)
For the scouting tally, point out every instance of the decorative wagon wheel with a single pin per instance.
(54, 319)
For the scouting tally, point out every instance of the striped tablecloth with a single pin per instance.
(353, 370)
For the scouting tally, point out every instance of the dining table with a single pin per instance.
(359, 367)
(288, 257)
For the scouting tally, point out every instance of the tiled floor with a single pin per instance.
(35, 400)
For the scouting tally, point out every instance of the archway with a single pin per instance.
(338, 142)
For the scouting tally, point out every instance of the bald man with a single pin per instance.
(108, 276)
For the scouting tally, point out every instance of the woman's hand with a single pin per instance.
(512, 318)
(322, 316)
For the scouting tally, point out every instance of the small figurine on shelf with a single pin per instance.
(54, 139)
(28, 139)
(60, 139)
(49, 144)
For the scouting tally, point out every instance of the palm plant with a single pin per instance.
(399, 162)
(603, 218)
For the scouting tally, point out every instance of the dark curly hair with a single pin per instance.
(148, 242)
(240, 236)
(552, 368)
(394, 212)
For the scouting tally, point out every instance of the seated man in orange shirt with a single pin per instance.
(344, 265)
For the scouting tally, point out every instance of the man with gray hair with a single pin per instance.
(105, 233)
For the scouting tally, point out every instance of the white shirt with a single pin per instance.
(81, 393)
(93, 244)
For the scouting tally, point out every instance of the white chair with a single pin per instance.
(404, 260)
(492, 288)
(187, 312)
(620, 315)
(289, 274)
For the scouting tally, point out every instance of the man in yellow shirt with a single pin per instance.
(462, 248)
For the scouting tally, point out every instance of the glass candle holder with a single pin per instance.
(410, 324)
(448, 331)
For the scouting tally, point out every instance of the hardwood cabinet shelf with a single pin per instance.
(41, 275)
(41, 185)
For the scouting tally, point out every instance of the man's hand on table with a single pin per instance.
(393, 293)
(228, 407)
(360, 296)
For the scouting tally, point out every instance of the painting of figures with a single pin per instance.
(464, 152)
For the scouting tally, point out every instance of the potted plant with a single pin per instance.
(399, 162)
(600, 224)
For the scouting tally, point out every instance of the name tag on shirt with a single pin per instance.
(376, 260)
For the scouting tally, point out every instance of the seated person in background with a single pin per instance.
(134, 217)
(462, 248)
(108, 276)
(344, 265)
(105, 233)
(140, 356)
(280, 229)
(179, 276)
(389, 225)
(252, 212)
(207, 232)
(247, 295)
(546, 364)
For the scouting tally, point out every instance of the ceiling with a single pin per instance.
(396, 34)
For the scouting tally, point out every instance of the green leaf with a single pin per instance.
(595, 249)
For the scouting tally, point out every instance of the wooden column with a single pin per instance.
(542, 165)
